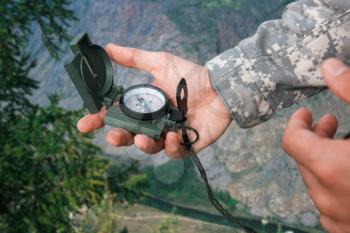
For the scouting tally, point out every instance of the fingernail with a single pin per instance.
(335, 68)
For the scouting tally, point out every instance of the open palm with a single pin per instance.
(206, 111)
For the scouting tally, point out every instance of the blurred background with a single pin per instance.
(53, 179)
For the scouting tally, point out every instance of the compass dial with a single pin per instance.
(96, 70)
(144, 102)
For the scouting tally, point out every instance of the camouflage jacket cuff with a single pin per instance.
(231, 78)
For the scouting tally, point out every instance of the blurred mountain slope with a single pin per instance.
(247, 163)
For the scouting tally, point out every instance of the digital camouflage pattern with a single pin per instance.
(280, 64)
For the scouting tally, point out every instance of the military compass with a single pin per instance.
(144, 102)
(140, 109)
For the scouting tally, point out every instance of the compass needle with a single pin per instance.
(144, 102)
(93, 74)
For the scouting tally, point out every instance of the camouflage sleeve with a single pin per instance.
(280, 64)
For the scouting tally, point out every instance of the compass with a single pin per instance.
(140, 109)
(144, 102)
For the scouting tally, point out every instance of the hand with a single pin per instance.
(324, 162)
(206, 112)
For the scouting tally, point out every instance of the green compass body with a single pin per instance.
(140, 109)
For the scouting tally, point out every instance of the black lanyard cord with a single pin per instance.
(180, 117)
(211, 195)
(187, 143)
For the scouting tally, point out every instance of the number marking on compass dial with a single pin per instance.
(144, 102)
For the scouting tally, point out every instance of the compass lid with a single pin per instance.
(91, 71)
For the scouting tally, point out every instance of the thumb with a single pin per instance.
(337, 78)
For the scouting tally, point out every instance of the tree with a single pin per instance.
(126, 182)
(47, 170)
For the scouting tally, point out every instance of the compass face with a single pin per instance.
(144, 102)
(96, 70)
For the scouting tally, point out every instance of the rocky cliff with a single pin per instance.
(247, 163)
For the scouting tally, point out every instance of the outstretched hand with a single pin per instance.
(206, 111)
(324, 162)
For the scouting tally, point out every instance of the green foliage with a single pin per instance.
(52, 16)
(189, 188)
(124, 230)
(16, 20)
(168, 225)
(126, 182)
(102, 218)
(228, 200)
(47, 170)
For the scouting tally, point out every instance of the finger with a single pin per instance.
(337, 77)
(134, 58)
(327, 224)
(326, 127)
(148, 145)
(173, 147)
(330, 207)
(301, 120)
(299, 141)
(91, 122)
(119, 137)
(309, 180)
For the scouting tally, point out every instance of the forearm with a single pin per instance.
(269, 71)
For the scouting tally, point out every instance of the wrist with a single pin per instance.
(236, 87)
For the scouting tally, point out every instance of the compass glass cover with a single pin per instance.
(94, 80)
(144, 100)
(96, 70)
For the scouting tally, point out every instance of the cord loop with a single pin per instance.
(181, 98)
